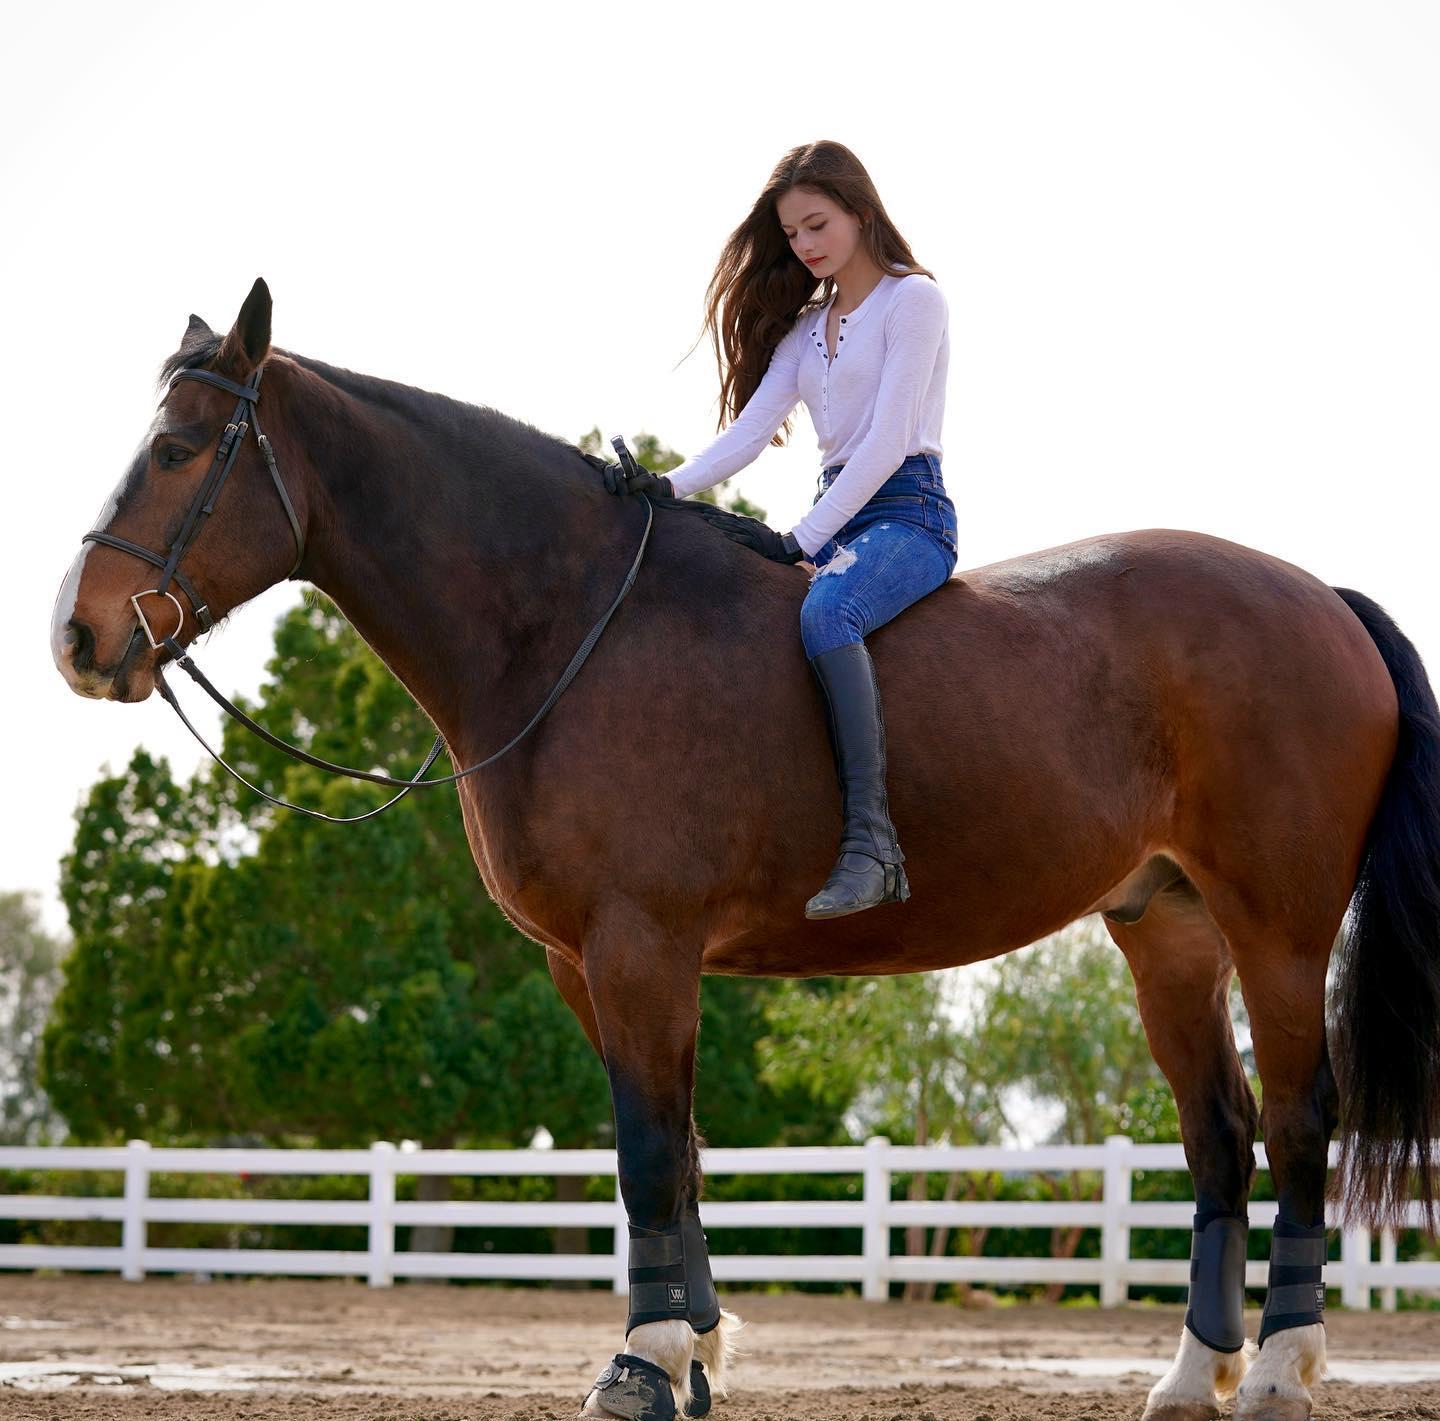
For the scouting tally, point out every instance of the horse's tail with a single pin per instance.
(1386, 998)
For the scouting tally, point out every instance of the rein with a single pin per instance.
(169, 563)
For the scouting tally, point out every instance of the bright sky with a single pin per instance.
(1191, 253)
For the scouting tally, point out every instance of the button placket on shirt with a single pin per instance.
(820, 346)
(829, 361)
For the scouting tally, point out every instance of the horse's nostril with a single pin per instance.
(78, 635)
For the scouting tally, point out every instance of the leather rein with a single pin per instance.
(240, 423)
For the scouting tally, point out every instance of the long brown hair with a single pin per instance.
(760, 286)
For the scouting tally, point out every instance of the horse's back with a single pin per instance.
(1106, 688)
(1202, 608)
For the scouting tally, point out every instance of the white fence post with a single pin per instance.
(137, 1192)
(1114, 1232)
(622, 1239)
(1387, 1256)
(1354, 1264)
(876, 1287)
(382, 1213)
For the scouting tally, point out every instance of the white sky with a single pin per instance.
(1191, 252)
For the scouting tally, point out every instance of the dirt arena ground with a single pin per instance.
(251, 1350)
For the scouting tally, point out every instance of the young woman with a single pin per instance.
(868, 354)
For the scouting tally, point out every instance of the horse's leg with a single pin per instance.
(644, 991)
(571, 982)
(1281, 926)
(1182, 971)
(1285, 995)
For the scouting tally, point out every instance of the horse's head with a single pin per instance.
(200, 522)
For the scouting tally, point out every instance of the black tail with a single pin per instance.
(1385, 1026)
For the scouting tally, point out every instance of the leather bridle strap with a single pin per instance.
(248, 395)
(203, 504)
(225, 765)
(202, 612)
(182, 659)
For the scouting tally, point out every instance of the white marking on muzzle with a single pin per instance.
(62, 643)
(62, 639)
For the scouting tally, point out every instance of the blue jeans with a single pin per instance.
(901, 545)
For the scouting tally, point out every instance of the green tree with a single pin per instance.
(1059, 1022)
(106, 1055)
(895, 1053)
(29, 974)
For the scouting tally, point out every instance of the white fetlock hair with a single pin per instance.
(1232, 1370)
(669, 1345)
(717, 1349)
(1198, 1378)
(1285, 1368)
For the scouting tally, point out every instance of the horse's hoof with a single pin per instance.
(699, 1403)
(633, 1389)
(1275, 1408)
(1182, 1411)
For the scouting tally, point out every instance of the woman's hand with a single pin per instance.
(620, 480)
(757, 536)
(630, 476)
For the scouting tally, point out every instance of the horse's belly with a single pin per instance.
(964, 907)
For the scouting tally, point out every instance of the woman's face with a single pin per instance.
(820, 232)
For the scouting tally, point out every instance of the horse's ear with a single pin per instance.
(248, 340)
(196, 334)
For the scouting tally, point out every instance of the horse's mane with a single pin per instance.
(411, 402)
(434, 410)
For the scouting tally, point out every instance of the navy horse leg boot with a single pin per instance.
(868, 870)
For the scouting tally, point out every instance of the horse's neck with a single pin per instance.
(456, 564)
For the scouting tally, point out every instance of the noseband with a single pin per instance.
(204, 504)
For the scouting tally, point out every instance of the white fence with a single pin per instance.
(875, 1214)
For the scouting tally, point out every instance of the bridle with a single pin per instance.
(226, 452)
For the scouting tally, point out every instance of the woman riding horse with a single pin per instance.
(869, 359)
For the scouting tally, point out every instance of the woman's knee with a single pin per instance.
(828, 622)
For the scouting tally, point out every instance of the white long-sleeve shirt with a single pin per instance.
(880, 398)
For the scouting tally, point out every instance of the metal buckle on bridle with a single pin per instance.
(145, 625)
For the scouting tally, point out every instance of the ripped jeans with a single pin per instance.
(901, 545)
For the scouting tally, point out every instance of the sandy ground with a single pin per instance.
(264, 1348)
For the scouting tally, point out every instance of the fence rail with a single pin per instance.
(1114, 1214)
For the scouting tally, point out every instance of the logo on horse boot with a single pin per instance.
(679, 1298)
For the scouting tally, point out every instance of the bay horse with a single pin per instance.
(1203, 743)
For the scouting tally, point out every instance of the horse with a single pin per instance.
(1237, 765)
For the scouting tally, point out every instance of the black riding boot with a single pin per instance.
(867, 870)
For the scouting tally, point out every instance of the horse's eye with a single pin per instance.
(174, 454)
